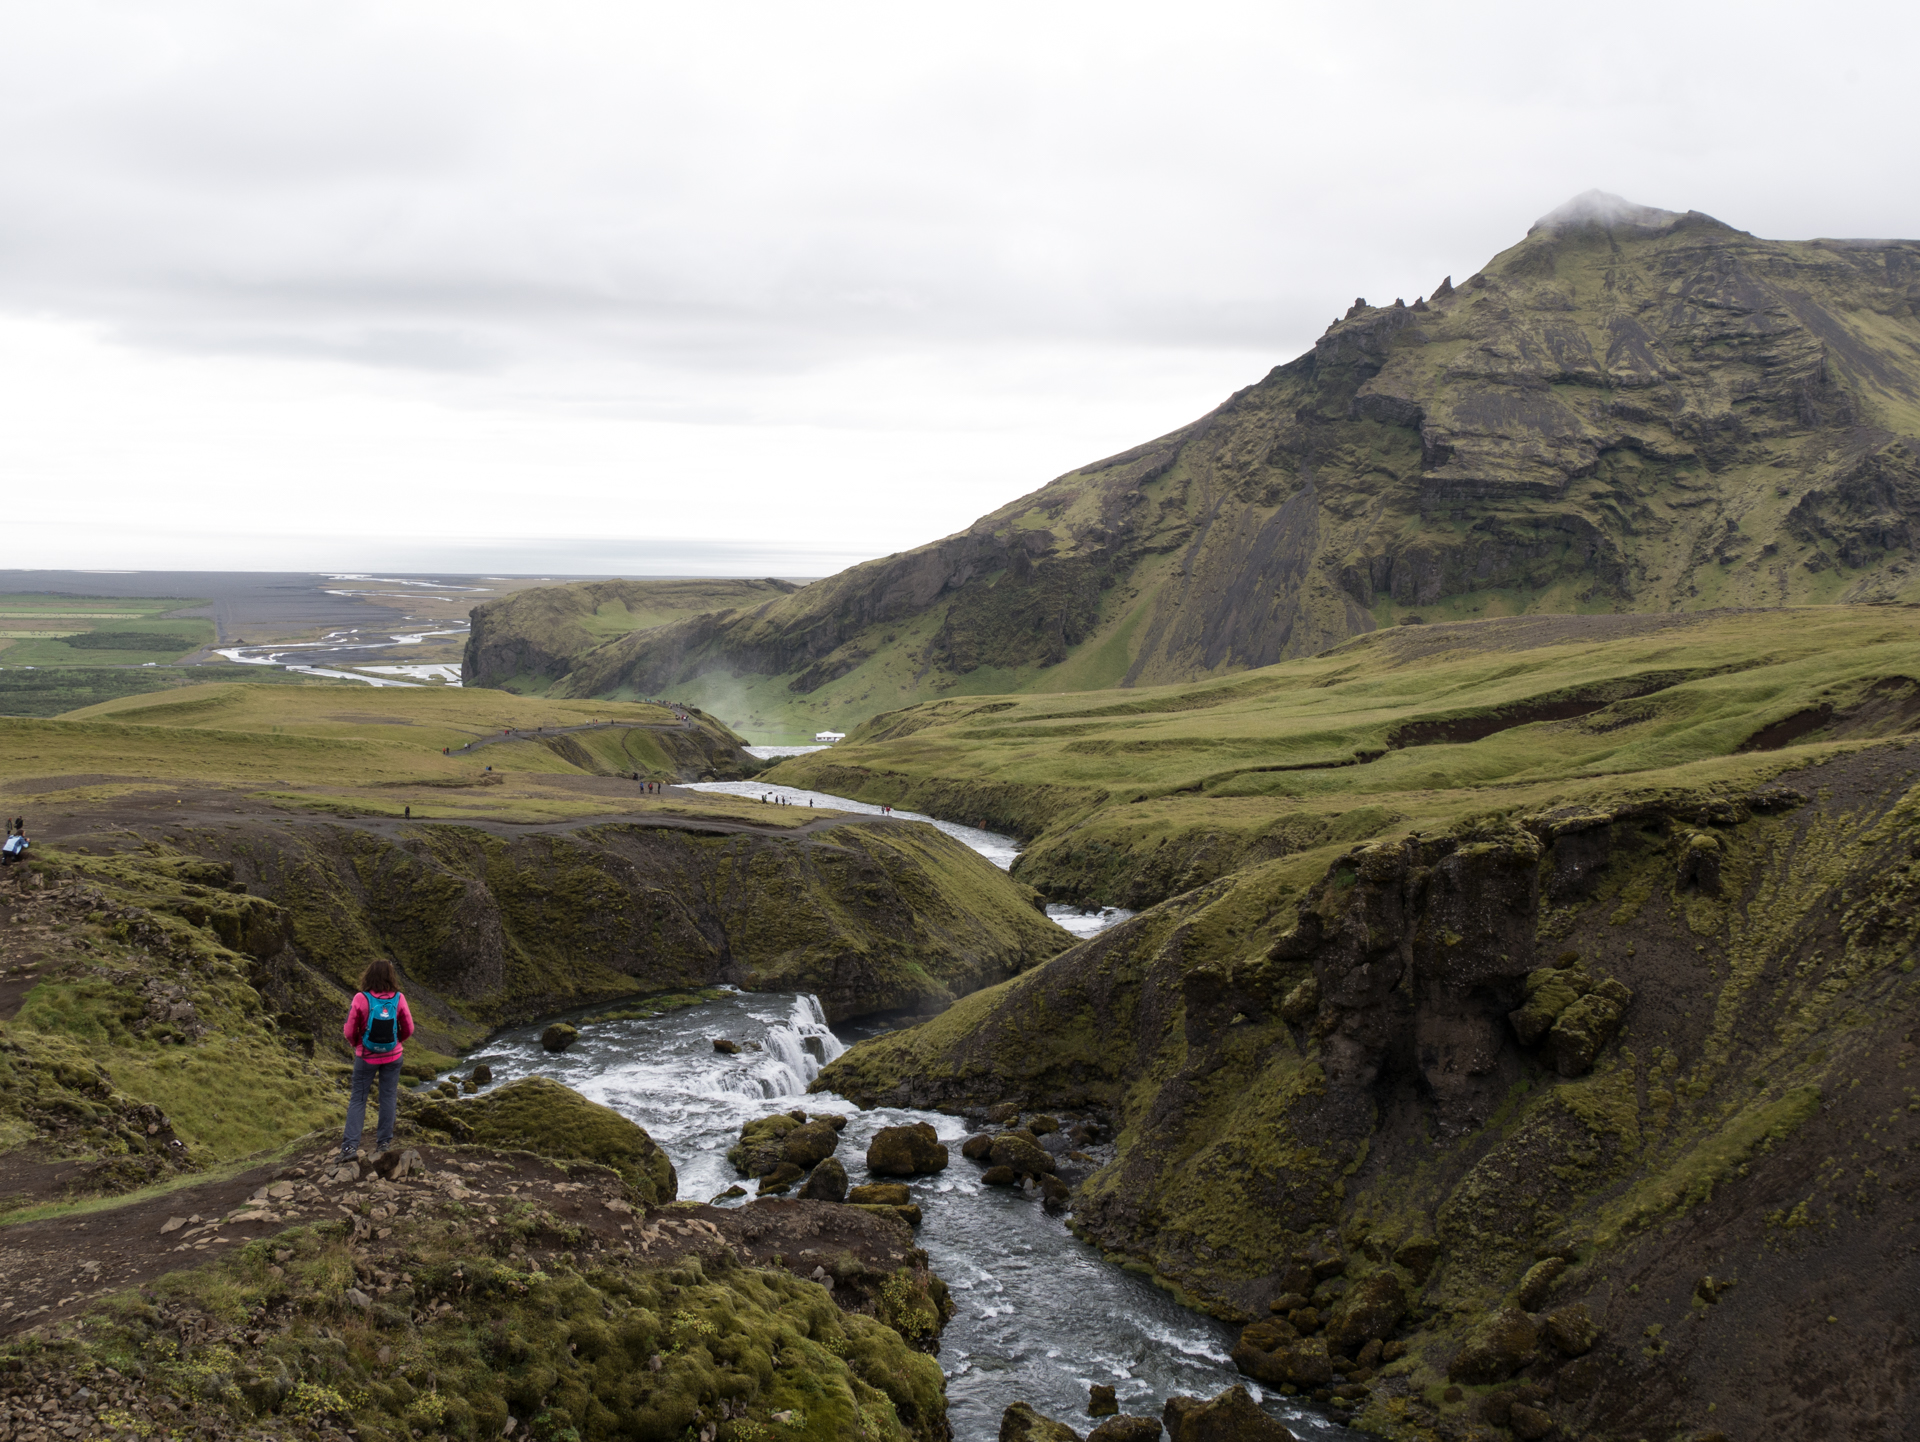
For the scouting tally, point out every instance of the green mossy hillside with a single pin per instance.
(138, 1044)
(1130, 797)
(1439, 1059)
(871, 915)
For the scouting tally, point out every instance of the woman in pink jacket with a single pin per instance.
(377, 1023)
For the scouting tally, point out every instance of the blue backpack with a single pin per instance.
(383, 1023)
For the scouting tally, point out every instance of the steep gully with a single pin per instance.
(1041, 1315)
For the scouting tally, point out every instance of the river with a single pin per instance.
(1040, 1316)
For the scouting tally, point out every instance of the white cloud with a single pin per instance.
(834, 277)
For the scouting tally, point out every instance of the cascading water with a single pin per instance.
(1040, 1317)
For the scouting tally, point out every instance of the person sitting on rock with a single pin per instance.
(377, 1023)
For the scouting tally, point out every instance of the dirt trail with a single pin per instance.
(54, 1268)
(127, 820)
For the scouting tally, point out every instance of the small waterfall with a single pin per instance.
(798, 1050)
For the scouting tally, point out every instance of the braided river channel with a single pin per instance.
(1040, 1315)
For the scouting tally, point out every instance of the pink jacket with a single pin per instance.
(356, 1028)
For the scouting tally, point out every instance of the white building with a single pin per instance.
(827, 738)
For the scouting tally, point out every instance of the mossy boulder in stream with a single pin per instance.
(1233, 1416)
(810, 1144)
(908, 1151)
(1020, 1423)
(538, 1115)
(826, 1183)
(1022, 1152)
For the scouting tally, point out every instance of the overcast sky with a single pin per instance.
(770, 288)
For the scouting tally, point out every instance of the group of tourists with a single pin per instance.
(16, 846)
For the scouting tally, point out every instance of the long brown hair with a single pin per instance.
(379, 976)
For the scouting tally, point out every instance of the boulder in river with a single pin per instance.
(908, 1151)
(1305, 1363)
(1126, 1429)
(762, 1145)
(881, 1194)
(828, 1182)
(1020, 1423)
(1233, 1416)
(1254, 1353)
(1100, 1401)
(809, 1145)
(1003, 1114)
(559, 1036)
(976, 1147)
(1021, 1151)
(726, 1046)
(1000, 1177)
(482, 1075)
(780, 1178)
(1041, 1125)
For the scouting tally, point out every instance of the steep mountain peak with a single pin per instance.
(1604, 209)
(1629, 410)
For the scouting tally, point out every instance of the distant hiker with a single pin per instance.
(377, 1023)
(409, 813)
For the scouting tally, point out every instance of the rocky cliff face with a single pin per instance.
(873, 917)
(530, 639)
(1629, 410)
(1602, 1112)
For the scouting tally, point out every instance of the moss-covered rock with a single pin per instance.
(763, 1144)
(1572, 1330)
(1233, 1416)
(1538, 1283)
(827, 1183)
(811, 1144)
(1585, 1027)
(908, 1151)
(881, 1194)
(1126, 1429)
(1022, 1153)
(779, 1181)
(1020, 1423)
(1371, 1310)
(1417, 1255)
(537, 1115)
(1499, 1347)
(1529, 1423)
(559, 1036)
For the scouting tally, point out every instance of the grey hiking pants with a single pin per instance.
(365, 1074)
